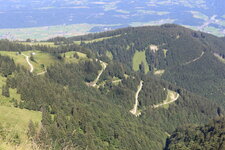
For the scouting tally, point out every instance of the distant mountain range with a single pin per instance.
(204, 15)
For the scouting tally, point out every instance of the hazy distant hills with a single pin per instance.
(197, 13)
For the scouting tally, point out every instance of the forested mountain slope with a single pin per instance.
(190, 59)
(76, 115)
(209, 136)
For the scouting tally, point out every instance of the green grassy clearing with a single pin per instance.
(40, 58)
(97, 40)
(219, 58)
(138, 58)
(165, 52)
(14, 121)
(159, 72)
(109, 55)
(6, 101)
(14, 124)
(170, 98)
(19, 59)
(69, 57)
(128, 47)
(170, 94)
(116, 80)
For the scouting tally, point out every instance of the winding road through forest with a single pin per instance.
(94, 83)
(173, 96)
(134, 111)
(29, 63)
(194, 60)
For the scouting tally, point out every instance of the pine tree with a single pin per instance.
(31, 129)
(5, 91)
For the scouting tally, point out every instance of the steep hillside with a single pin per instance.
(179, 55)
(209, 136)
(77, 115)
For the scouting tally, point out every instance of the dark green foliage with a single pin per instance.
(210, 136)
(177, 48)
(5, 91)
(7, 66)
(31, 129)
(77, 116)
(205, 77)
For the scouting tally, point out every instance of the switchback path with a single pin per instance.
(41, 73)
(94, 83)
(194, 60)
(29, 63)
(172, 96)
(134, 111)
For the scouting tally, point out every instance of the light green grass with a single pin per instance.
(158, 72)
(16, 121)
(219, 58)
(171, 98)
(168, 98)
(165, 52)
(116, 80)
(2, 81)
(128, 47)
(39, 57)
(19, 59)
(138, 58)
(6, 101)
(69, 57)
(109, 55)
(97, 40)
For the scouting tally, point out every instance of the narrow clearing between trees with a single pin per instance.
(194, 60)
(134, 111)
(94, 83)
(29, 63)
(171, 97)
(41, 73)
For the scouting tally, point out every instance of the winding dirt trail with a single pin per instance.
(41, 73)
(94, 83)
(194, 60)
(134, 111)
(173, 96)
(29, 63)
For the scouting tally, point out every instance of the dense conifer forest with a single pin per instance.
(209, 136)
(77, 115)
